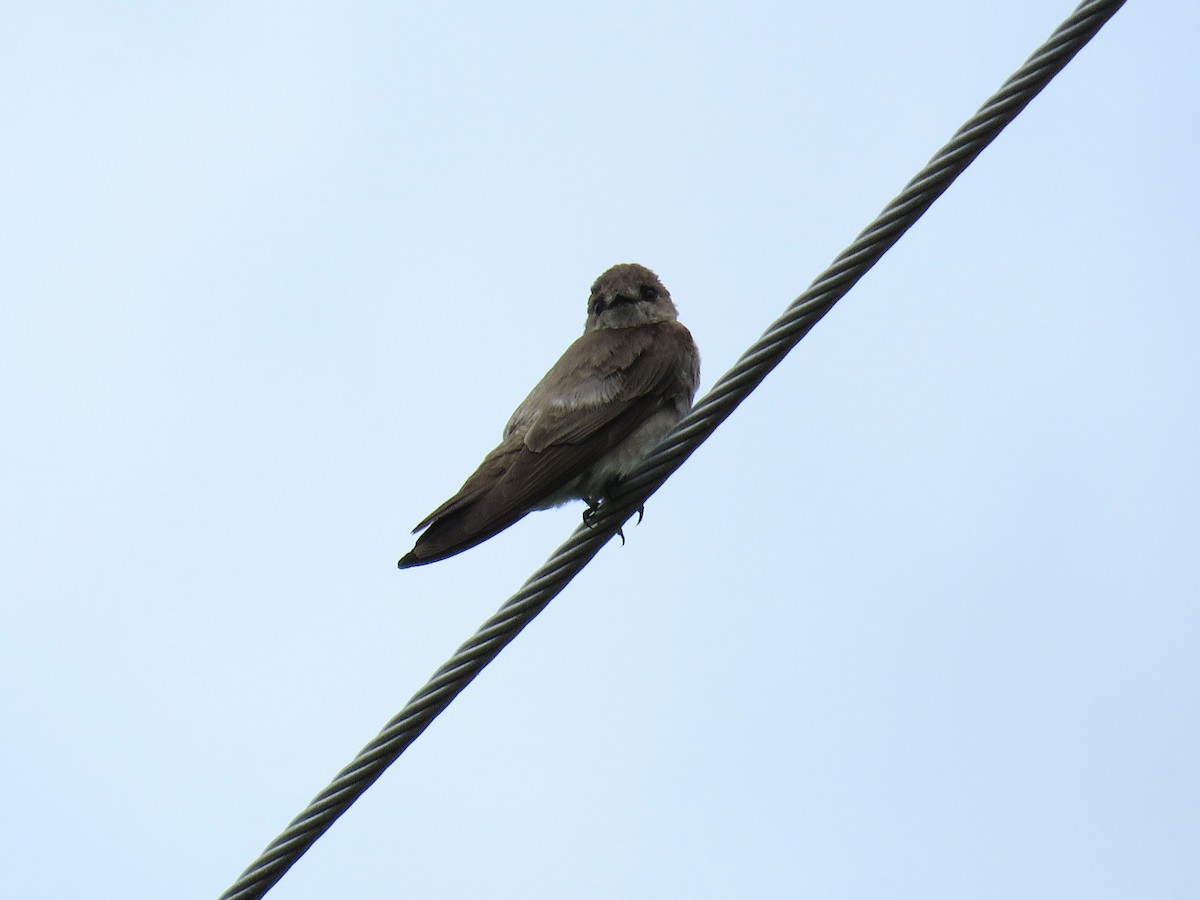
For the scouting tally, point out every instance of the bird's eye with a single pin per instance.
(647, 293)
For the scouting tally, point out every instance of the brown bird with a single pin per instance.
(608, 401)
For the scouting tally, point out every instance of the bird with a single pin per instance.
(611, 397)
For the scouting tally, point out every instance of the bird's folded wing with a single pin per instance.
(514, 478)
(562, 442)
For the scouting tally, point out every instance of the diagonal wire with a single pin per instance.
(732, 388)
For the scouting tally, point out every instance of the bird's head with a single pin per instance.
(628, 295)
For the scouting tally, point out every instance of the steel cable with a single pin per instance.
(729, 391)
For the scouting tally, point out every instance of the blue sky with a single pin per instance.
(920, 620)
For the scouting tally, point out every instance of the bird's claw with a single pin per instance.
(589, 516)
(593, 509)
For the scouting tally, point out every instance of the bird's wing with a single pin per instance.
(603, 388)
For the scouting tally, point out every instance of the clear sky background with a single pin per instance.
(921, 620)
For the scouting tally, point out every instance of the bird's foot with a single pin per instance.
(593, 509)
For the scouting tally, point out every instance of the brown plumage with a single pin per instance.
(613, 395)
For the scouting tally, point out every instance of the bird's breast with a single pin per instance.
(624, 458)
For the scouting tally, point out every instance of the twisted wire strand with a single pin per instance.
(729, 391)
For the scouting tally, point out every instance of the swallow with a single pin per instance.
(616, 392)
